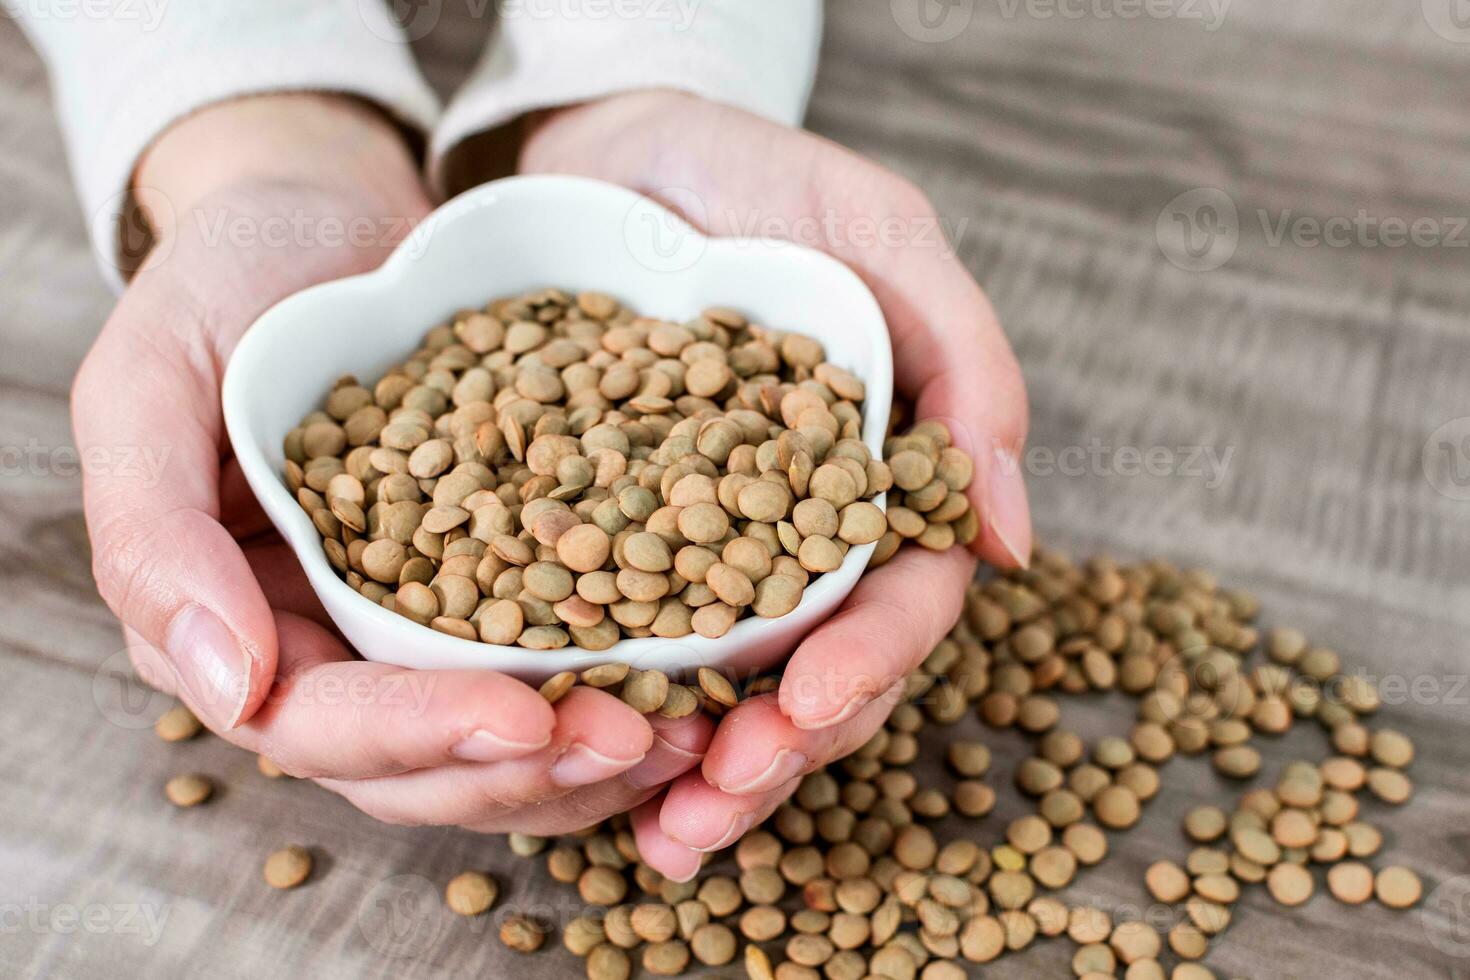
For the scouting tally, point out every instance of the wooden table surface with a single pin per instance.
(1303, 403)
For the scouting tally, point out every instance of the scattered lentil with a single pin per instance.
(288, 867)
(471, 893)
(187, 791)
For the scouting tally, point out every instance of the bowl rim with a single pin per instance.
(261, 345)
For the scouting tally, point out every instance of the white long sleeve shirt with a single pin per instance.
(122, 71)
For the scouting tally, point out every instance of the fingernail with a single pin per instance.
(683, 877)
(666, 747)
(739, 824)
(675, 861)
(580, 765)
(663, 762)
(787, 765)
(481, 745)
(1010, 513)
(210, 664)
(853, 705)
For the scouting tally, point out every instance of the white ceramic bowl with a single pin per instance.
(511, 236)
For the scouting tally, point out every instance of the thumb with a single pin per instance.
(952, 356)
(145, 407)
(974, 385)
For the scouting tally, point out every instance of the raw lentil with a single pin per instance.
(490, 434)
(288, 867)
(187, 791)
(471, 893)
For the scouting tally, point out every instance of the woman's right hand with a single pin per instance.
(251, 201)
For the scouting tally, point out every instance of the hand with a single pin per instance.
(951, 359)
(267, 196)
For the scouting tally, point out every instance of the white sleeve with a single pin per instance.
(758, 55)
(123, 70)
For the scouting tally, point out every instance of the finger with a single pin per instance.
(756, 760)
(163, 562)
(758, 749)
(151, 666)
(957, 364)
(660, 851)
(950, 354)
(705, 819)
(678, 746)
(281, 578)
(331, 715)
(596, 737)
(240, 512)
(885, 628)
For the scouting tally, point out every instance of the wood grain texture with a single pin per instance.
(1050, 145)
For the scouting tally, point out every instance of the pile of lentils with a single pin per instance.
(849, 878)
(556, 469)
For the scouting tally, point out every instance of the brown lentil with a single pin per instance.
(177, 724)
(288, 867)
(1290, 884)
(1397, 887)
(551, 450)
(187, 791)
(848, 845)
(1350, 882)
(471, 893)
(522, 934)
